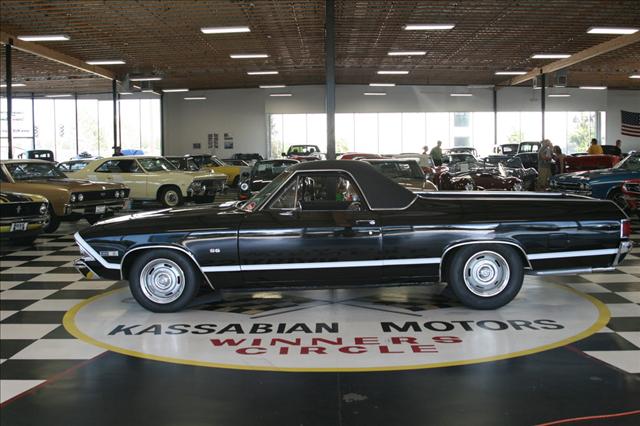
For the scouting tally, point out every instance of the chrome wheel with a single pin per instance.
(486, 273)
(517, 187)
(162, 281)
(171, 198)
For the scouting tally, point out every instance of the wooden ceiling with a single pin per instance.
(164, 38)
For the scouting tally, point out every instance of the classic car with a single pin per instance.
(262, 173)
(341, 223)
(237, 162)
(603, 184)
(405, 172)
(304, 153)
(357, 155)
(631, 193)
(37, 154)
(528, 147)
(213, 163)
(184, 163)
(577, 163)
(154, 178)
(72, 166)
(461, 150)
(508, 149)
(22, 217)
(69, 199)
(513, 167)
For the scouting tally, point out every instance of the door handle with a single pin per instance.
(365, 222)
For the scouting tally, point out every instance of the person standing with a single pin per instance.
(424, 157)
(558, 157)
(436, 154)
(618, 148)
(594, 148)
(545, 159)
(117, 151)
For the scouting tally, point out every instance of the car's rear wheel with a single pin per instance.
(170, 196)
(163, 280)
(52, 223)
(486, 276)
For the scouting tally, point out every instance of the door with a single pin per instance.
(316, 230)
(126, 171)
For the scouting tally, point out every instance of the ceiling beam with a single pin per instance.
(53, 55)
(578, 57)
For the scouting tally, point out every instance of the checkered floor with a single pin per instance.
(38, 285)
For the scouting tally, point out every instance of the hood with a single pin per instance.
(74, 185)
(586, 175)
(16, 197)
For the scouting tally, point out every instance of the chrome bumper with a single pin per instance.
(85, 208)
(82, 268)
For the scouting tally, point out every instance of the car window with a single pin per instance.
(158, 164)
(319, 192)
(64, 167)
(27, 171)
(74, 167)
(268, 171)
(631, 163)
(119, 166)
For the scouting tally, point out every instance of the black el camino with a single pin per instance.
(341, 223)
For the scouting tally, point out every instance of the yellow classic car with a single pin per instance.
(69, 199)
(215, 164)
(155, 178)
(22, 217)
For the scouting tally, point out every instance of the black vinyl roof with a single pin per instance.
(379, 191)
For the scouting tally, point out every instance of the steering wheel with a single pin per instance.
(355, 206)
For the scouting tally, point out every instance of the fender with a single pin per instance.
(464, 243)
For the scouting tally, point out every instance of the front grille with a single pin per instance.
(569, 186)
(25, 209)
(101, 195)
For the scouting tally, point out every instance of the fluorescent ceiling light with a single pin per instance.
(224, 30)
(393, 72)
(550, 56)
(262, 72)
(107, 62)
(66, 95)
(126, 93)
(382, 84)
(511, 72)
(460, 94)
(195, 98)
(611, 30)
(22, 84)
(374, 93)
(57, 37)
(272, 86)
(407, 53)
(428, 27)
(631, 76)
(560, 95)
(174, 90)
(145, 78)
(150, 91)
(480, 86)
(280, 94)
(593, 87)
(248, 56)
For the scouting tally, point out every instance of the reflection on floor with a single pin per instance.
(48, 376)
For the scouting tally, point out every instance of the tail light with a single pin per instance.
(625, 228)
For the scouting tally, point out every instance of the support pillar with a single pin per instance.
(330, 82)
(9, 81)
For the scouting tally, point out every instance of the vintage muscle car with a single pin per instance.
(214, 164)
(262, 173)
(604, 184)
(405, 172)
(631, 192)
(184, 163)
(154, 178)
(69, 199)
(304, 153)
(22, 217)
(341, 223)
(578, 162)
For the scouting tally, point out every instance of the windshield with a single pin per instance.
(255, 202)
(268, 171)
(399, 169)
(303, 149)
(28, 171)
(632, 163)
(158, 164)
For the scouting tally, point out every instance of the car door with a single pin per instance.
(126, 171)
(316, 230)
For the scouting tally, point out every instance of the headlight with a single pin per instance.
(43, 208)
(244, 186)
(517, 186)
(116, 194)
(123, 193)
(80, 197)
(72, 198)
(468, 186)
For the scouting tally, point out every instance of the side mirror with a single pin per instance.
(284, 155)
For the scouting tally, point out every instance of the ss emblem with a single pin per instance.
(214, 250)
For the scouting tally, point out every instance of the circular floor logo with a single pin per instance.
(339, 330)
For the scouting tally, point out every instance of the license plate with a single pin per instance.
(101, 209)
(19, 226)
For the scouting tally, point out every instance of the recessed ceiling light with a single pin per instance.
(272, 86)
(511, 72)
(374, 93)
(145, 78)
(56, 37)
(631, 76)
(66, 95)
(407, 53)
(593, 87)
(428, 27)
(280, 94)
(382, 84)
(612, 30)
(393, 72)
(224, 30)
(460, 94)
(248, 55)
(13, 85)
(174, 90)
(550, 56)
(262, 72)
(107, 62)
(195, 98)
(560, 95)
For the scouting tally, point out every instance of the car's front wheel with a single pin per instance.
(170, 196)
(486, 276)
(163, 280)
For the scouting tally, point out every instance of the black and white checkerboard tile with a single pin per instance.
(39, 284)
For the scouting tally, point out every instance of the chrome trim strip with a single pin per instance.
(87, 248)
(570, 271)
(573, 253)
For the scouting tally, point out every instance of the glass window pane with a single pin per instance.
(45, 127)
(317, 131)
(581, 127)
(438, 129)
(413, 132)
(531, 125)
(295, 129)
(366, 133)
(509, 127)
(65, 113)
(105, 133)
(555, 129)
(390, 133)
(345, 141)
(88, 130)
(150, 127)
(130, 136)
(483, 133)
(277, 144)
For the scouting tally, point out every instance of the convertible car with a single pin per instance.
(342, 223)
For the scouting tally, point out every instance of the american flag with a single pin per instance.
(630, 123)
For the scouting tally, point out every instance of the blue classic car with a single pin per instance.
(604, 183)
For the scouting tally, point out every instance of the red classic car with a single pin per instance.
(631, 193)
(580, 162)
(358, 155)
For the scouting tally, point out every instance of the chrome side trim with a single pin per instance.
(483, 242)
(574, 253)
(181, 249)
(88, 249)
(570, 271)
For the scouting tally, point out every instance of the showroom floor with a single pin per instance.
(111, 374)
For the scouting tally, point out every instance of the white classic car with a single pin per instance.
(155, 178)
